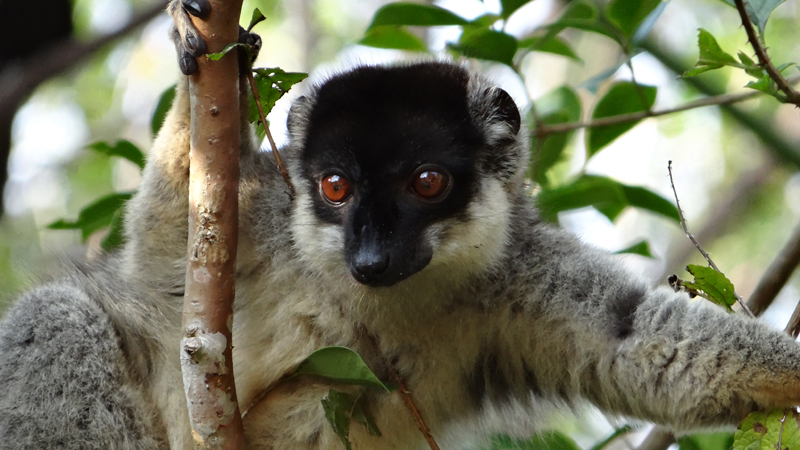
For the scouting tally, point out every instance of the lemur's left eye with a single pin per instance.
(430, 184)
(335, 188)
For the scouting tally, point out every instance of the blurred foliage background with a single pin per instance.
(739, 190)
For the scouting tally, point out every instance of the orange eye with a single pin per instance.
(430, 184)
(335, 188)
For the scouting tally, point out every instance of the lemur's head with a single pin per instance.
(404, 169)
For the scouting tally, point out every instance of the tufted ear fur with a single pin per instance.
(505, 110)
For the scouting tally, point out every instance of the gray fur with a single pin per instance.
(511, 314)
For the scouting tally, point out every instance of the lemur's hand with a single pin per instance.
(188, 43)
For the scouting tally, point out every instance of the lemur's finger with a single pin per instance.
(186, 62)
(197, 8)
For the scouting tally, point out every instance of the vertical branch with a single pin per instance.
(206, 360)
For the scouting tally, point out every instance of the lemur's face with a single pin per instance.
(389, 169)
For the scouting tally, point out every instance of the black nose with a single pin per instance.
(369, 267)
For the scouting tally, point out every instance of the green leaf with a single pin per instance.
(162, 108)
(762, 431)
(393, 37)
(485, 43)
(340, 364)
(115, 236)
(623, 430)
(255, 19)
(415, 14)
(123, 149)
(624, 97)
(94, 216)
(550, 440)
(641, 248)
(715, 285)
(629, 14)
(337, 407)
(642, 198)
(711, 55)
(550, 44)
(763, 84)
(559, 106)
(272, 84)
(709, 441)
(608, 196)
(758, 11)
(509, 6)
(485, 20)
(581, 15)
(340, 408)
(229, 47)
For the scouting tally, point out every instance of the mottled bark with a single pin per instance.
(213, 224)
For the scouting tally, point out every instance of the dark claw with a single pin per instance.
(187, 63)
(195, 46)
(197, 8)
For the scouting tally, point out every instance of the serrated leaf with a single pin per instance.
(608, 196)
(550, 44)
(763, 84)
(229, 47)
(340, 364)
(337, 407)
(488, 44)
(763, 431)
(162, 108)
(622, 98)
(123, 148)
(715, 285)
(746, 60)
(561, 105)
(758, 11)
(641, 248)
(711, 55)
(509, 6)
(272, 84)
(627, 15)
(392, 37)
(255, 19)
(94, 216)
(115, 236)
(415, 14)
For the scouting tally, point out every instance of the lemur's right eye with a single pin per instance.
(335, 188)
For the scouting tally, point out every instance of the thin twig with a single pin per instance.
(777, 274)
(792, 96)
(545, 130)
(262, 117)
(406, 394)
(694, 241)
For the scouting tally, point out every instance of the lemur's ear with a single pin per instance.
(298, 113)
(504, 108)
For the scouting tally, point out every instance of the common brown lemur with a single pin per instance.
(410, 239)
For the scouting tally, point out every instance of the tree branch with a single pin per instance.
(777, 274)
(18, 80)
(725, 99)
(777, 143)
(792, 96)
(657, 439)
(206, 356)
